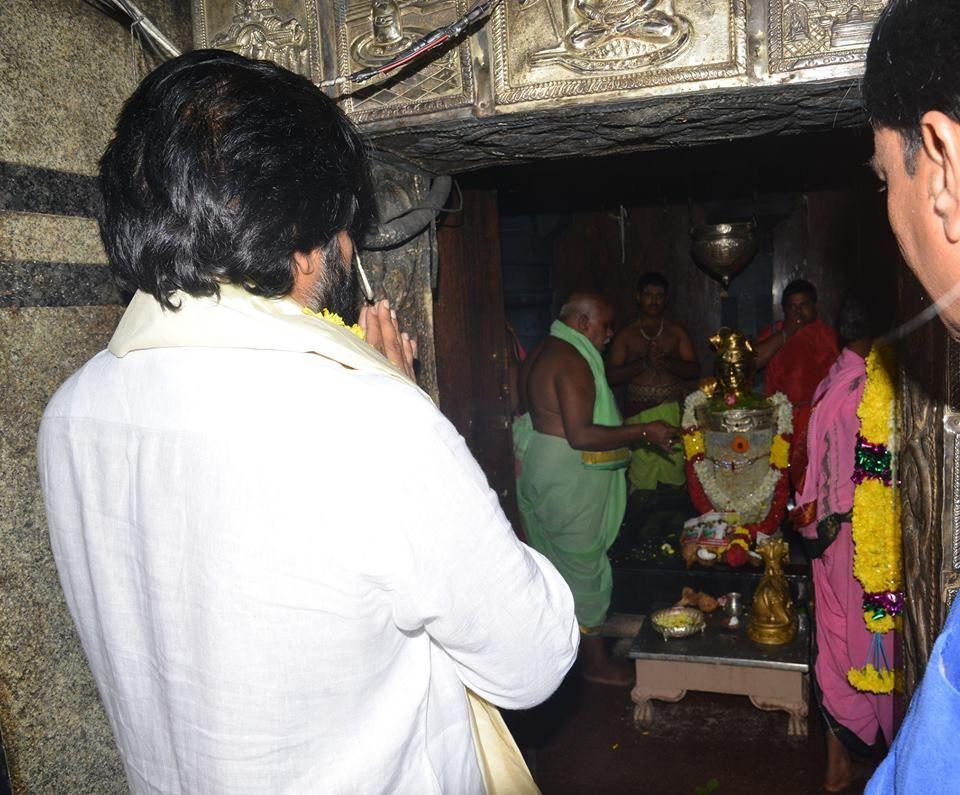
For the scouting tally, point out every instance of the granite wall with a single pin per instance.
(65, 68)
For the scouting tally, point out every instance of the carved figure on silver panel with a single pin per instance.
(258, 31)
(387, 36)
(613, 35)
(374, 32)
(817, 32)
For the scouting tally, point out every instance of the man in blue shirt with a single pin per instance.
(912, 95)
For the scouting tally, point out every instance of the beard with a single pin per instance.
(338, 288)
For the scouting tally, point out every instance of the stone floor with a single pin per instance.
(584, 741)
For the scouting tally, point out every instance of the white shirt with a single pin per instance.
(284, 572)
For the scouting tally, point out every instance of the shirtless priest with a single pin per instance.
(573, 448)
(655, 359)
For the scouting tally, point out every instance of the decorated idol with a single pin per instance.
(737, 452)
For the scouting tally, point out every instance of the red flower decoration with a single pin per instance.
(740, 444)
(778, 505)
(730, 399)
(735, 556)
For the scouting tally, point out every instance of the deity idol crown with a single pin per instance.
(736, 366)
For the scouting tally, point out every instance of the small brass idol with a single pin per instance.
(736, 365)
(773, 620)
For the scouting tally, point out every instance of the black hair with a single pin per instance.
(913, 66)
(798, 287)
(655, 279)
(854, 322)
(219, 170)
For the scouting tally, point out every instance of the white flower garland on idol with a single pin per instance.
(756, 503)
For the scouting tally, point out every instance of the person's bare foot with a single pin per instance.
(597, 667)
(840, 771)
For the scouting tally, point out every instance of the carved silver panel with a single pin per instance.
(371, 32)
(811, 33)
(950, 573)
(548, 49)
(921, 502)
(283, 31)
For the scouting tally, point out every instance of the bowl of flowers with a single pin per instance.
(678, 622)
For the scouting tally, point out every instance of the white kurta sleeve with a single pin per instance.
(499, 609)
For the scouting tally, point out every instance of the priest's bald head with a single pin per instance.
(591, 315)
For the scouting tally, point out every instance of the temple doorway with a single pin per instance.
(527, 236)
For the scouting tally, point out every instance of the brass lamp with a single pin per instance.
(723, 250)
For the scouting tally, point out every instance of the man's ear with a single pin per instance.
(583, 323)
(306, 262)
(307, 269)
(941, 148)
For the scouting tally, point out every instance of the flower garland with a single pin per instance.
(333, 317)
(876, 520)
(706, 493)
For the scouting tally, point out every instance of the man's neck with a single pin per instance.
(861, 347)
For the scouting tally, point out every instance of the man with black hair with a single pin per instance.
(654, 360)
(284, 565)
(911, 91)
(797, 353)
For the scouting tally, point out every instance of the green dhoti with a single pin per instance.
(650, 466)
(572, 503)
(572, 515)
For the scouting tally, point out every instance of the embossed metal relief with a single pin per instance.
(372, 32)
(282, 31)
(404, 275)
(921, 432)
(813, 33)
(544, 49)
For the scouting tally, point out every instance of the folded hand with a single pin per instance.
(379, 323)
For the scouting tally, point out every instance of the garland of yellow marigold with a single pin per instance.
(333, 317)
(876, 519)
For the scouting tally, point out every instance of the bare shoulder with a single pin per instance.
(630, 332)
(628, 340)
(563, 354)
(674, 329)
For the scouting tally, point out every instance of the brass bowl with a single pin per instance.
(696, 622)
(724, 249)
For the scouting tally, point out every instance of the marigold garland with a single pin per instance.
(695, 452)
(333, 317)
(876, 519)
(871, 680)
(780, 452)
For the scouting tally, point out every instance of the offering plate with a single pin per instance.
(693, 622)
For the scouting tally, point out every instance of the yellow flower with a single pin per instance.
(870, 680)
(693, 444)
(876, 537)
(780, 452)
(876, 512)
(333, 317)
(880, 625)
(876, 406)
